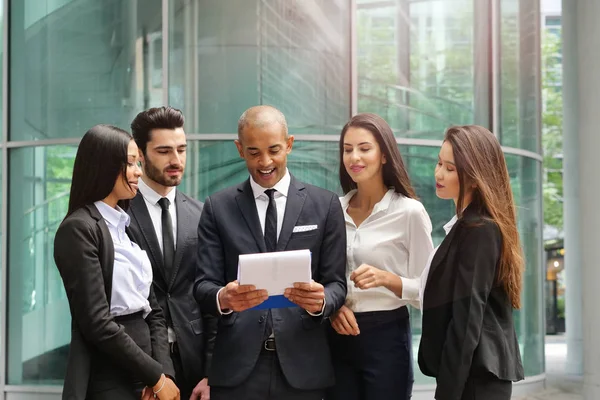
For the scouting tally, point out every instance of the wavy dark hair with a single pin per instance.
(101, 158)
(480, 163)
(394, 171)
(165, 117)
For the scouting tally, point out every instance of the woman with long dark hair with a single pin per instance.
(389, 239)
(119, 348)
(473, 280)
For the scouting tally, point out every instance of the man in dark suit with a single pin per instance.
(279, 353)
(164, 222)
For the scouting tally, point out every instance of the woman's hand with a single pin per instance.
(367, 276)
(344, 322)
(165, 389)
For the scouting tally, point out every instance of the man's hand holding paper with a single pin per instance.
(238, 297)
(310, 296)
(283, 273)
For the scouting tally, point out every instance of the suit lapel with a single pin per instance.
(293, 208)
(108, 251)
(441, 252)
(185, 227)
(139, 211)
(247, 204)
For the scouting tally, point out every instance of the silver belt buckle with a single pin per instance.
(270, 344)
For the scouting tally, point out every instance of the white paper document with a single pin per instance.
(275, 271)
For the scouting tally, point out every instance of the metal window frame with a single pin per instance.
(6, 145)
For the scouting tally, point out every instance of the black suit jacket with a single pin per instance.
(174, 291)
(230, 226)
(468, 327)
(84, 254)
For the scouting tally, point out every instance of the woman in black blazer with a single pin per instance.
(473, 280)
(119, 347)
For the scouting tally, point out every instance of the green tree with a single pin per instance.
(552, 130)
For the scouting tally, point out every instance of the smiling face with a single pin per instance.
(265, 149)
(126, 187)
(362, 156)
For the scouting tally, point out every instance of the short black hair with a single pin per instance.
(165, 117)
(101, 158)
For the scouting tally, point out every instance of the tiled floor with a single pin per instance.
(559, 385)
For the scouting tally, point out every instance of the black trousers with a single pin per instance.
(185, 386)
(487, 387)
(377, 364)
(109, 381)
(266, 382)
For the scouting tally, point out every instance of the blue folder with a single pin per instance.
(278, 301)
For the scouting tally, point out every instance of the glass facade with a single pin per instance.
(419, 64)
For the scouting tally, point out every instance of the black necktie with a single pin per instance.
(271, 222)
(167, 235)
(271, 244)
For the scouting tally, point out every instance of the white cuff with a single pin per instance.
(226, 312)
(320, 312)
(410, 288)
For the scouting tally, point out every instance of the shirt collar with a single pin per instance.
(382, 205)
(114, 216)
(282, 187)
(151, 196)
(450, 224)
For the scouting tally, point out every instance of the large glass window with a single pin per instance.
(520, 75)
(525, 181)
(292, 54)
(39, 323)
(415, 64)
(425, 65)
(75, 64)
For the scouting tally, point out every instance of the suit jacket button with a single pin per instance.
(261, 319)
(169, 295)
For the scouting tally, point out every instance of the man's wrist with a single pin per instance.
(320, 312)
(222, 310)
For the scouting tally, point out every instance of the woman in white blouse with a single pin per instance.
(119, 347)
(389, 241)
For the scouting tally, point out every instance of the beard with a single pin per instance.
(159, 176)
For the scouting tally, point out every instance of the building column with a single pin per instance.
(581, 84)
(572, 216)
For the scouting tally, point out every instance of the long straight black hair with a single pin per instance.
(101, 158)
(394, 171)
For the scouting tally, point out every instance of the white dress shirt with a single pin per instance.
(262, 200)
(151, 198)
(395, 237)
(425, 274)
(132, 272)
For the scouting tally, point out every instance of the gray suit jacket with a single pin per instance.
(194, 330)
(230, 226)
(84, 254)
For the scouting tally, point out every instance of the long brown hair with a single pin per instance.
(394, 172)
(480, 164)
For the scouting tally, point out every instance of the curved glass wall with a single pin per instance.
(422, 65)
